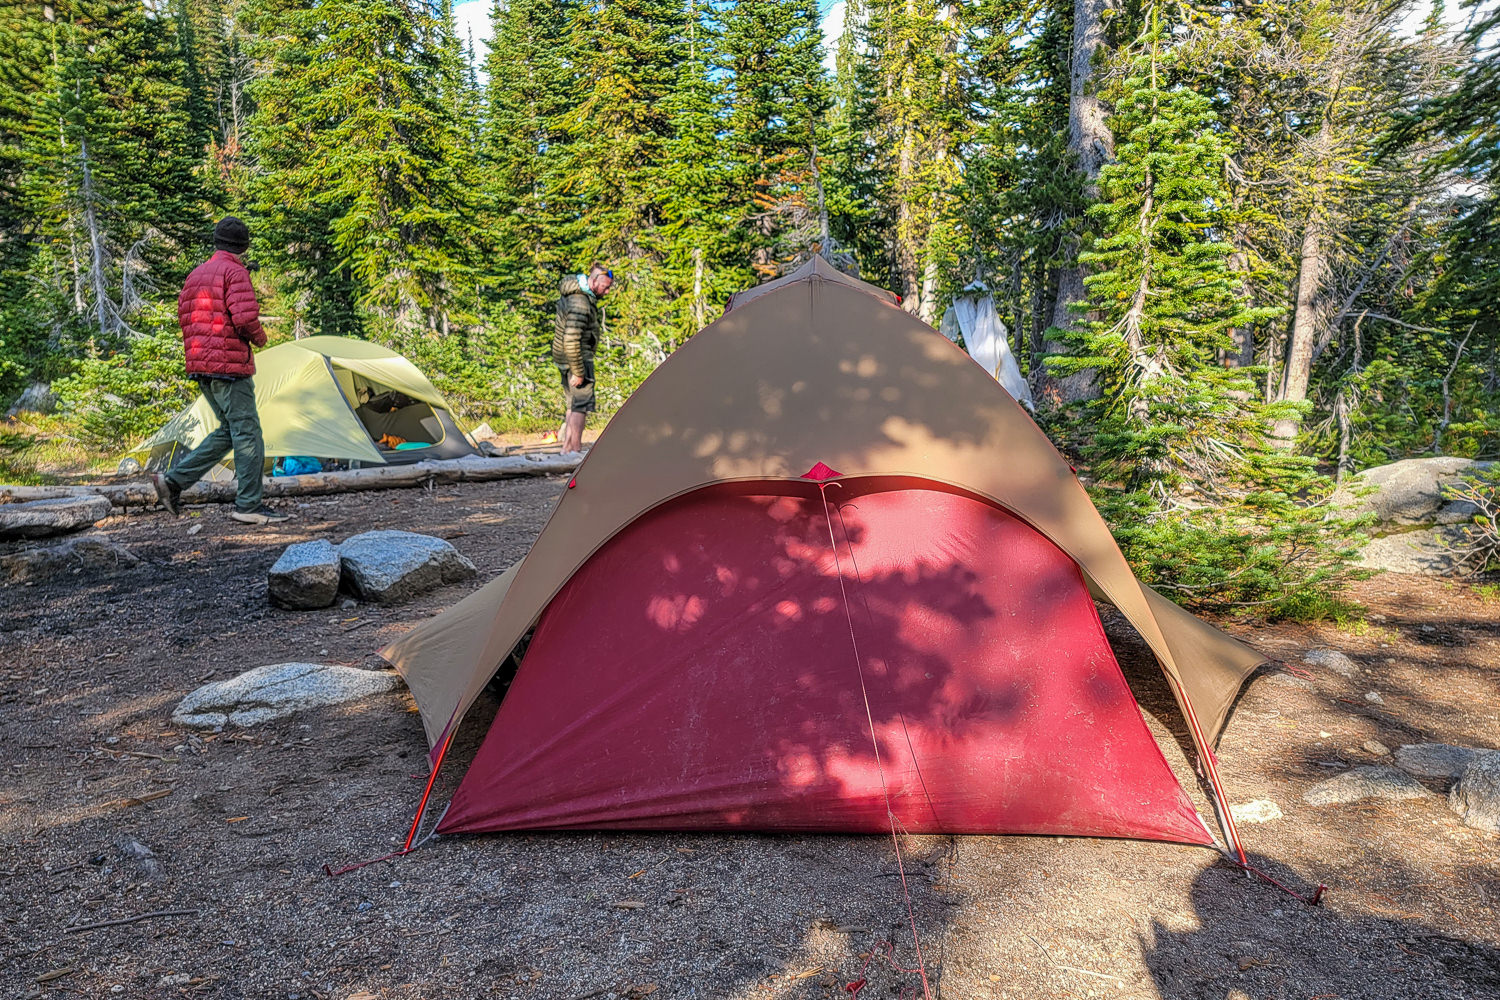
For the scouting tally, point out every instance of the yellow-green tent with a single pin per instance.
(315, 399)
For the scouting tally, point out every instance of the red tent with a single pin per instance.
(725, 640)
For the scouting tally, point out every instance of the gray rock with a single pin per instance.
(38, 397)
(1333, 660)
(1426, 551)
(1374, 698)
(306, 576)
(84, 556)
(42, 518)
(1259, 811)
(1438, 761)
(1410, 491)
(1476, 794)
(280, 689)
(1377, 748)
(390, 566)
(143, 856)
(1281, 678)
(1365, 783)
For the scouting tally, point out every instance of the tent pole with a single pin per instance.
(1221, 804)
(416, 822)
(427, 793)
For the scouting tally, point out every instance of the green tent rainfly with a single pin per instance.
(331, 398)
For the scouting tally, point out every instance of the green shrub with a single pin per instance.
(494, 370)
(1279, 551)
(116, 399)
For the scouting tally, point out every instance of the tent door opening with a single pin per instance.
(394, 421)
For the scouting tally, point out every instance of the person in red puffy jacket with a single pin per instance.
(220, 320)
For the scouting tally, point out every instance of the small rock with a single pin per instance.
(1375, 617)
(179, 979)
(142, 855)
(1439, 761)
(305, 576)
(1333, 660)
(276, 690)
(1281, 678)
(42, 518)
(37, 397)
(93, 556)
(1259, 811)
(390, 566)
(1377, 748)
(1476, 794)
(1373, 697)
(195, 528)
(348, 604)
(1365, 783)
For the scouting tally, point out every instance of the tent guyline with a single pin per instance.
(833, 549)
(692, 572)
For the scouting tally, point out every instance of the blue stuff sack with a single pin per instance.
(296, 465)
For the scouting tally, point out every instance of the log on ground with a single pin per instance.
(384, 477)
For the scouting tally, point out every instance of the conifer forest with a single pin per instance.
(1243, 248)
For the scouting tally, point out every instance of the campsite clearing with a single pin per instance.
(195, 860)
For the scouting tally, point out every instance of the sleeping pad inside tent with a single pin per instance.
(820, 573)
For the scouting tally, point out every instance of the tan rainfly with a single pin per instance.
(814, 367)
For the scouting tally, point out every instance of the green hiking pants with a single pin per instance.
(233, 403)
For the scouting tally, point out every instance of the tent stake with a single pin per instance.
(416, 822)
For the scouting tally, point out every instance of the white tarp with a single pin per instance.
(973, 315)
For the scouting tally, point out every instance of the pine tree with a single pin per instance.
(1018, 179)
(1198, 502)
(921, 120)
(611, 175)
(108, 164)
(366, 187)
(770, 53)
(1161, 296)
(530, 87)
(859, 217)
(698, 217)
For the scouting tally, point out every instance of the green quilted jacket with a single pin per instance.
(575, 333)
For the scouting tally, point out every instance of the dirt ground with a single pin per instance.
(240, 824)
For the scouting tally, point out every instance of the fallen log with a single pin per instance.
(382, 477)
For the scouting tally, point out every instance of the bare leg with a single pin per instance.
(572, 432)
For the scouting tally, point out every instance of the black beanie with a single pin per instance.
(231, 234)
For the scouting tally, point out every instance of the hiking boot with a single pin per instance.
(261, 515)
(168, 494)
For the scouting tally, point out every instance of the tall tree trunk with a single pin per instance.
(1311, 272)
(700, 306)
(104, 311)
(1092, 144)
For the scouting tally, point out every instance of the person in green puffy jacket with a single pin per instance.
(575, 335)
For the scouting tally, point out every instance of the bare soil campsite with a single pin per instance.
(139, 859)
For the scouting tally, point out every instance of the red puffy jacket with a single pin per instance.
(220, 318)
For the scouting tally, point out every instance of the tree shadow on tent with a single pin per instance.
(761, 661)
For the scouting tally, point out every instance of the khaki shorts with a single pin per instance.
(580, 399)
